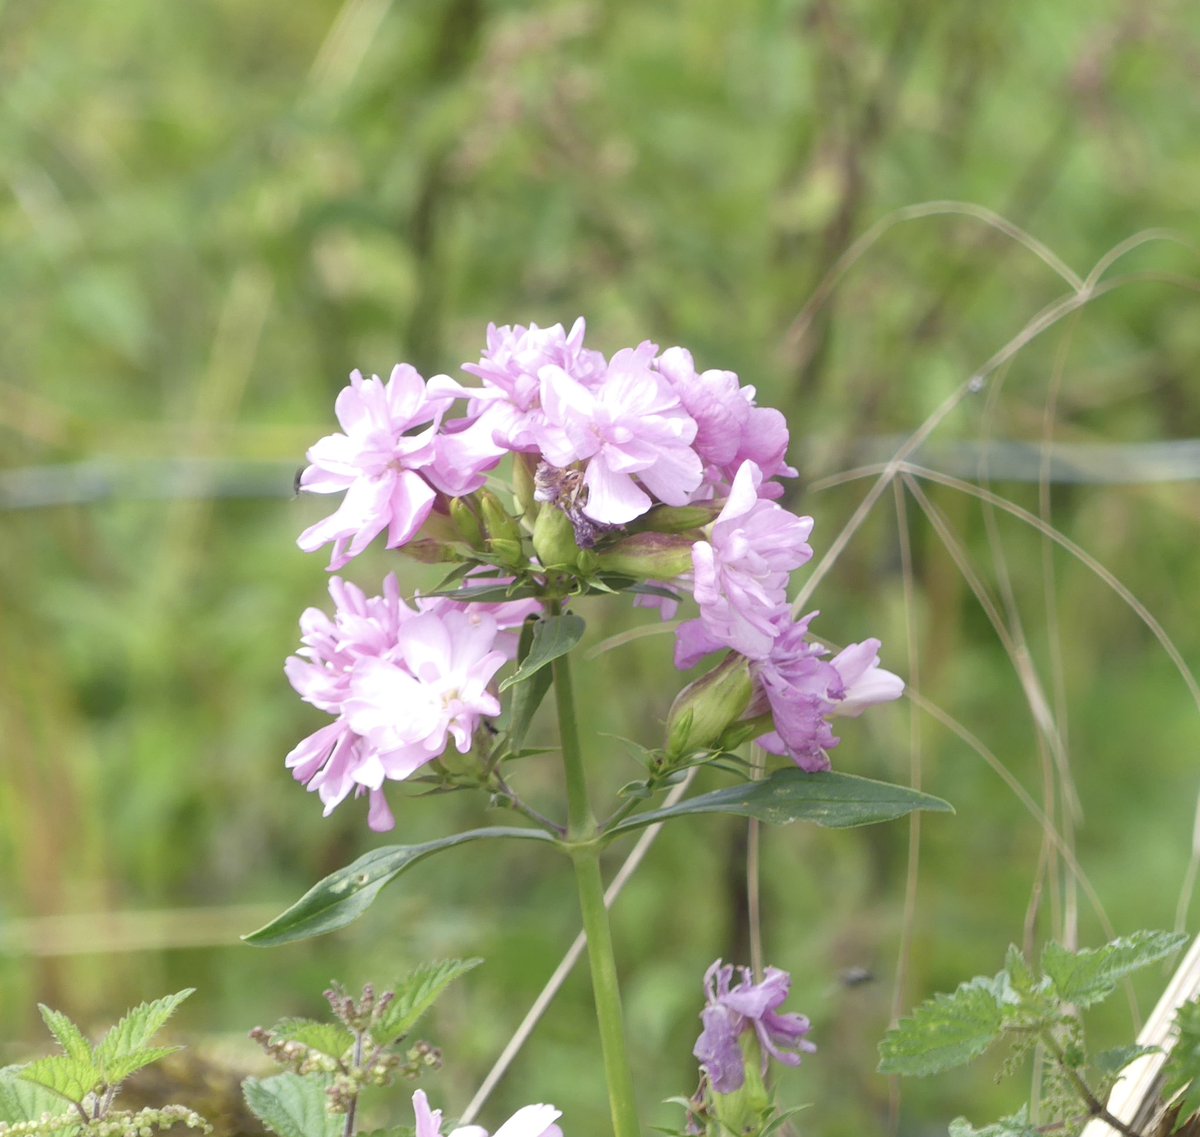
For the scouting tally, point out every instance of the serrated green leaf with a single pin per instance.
(552, 637)
(71, 1079)
(68, 1035)
(945, 1031)
(1181, 1074)
(1020, 974)
(836, 801)
(418, 991)
(293, 1106)
(345, 895)
(21, 1101)
(1015, 1125)
(1087, 976)
(123, 1049)
(332, 1039)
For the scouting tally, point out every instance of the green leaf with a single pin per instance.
(836, 801)
(1015, 1125)
(22, 1100)
(123, 1049)
(552, 637)
(528, 696)
(1182, 1069)
(1085, 977)
(345, 895)
(332, 1039)
(945, 1031)
(293, 1106)
(69, 1036)
(1109, 1063)
(71, 1079)
(418, 992)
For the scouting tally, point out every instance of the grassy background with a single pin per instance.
(212, 212)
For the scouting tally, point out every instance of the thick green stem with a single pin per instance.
(585, 854)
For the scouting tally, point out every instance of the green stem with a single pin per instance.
(585, 855)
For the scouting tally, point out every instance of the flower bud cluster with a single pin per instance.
(296, 1056)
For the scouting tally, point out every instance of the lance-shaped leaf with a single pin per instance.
(345, 895)
(24, 1101)
(552, 637)
(124, 1050)
(527, 697)
(836, 801)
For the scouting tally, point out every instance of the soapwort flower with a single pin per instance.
(747, 1008)
(529, 1121)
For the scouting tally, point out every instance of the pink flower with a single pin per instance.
(630, 424)
(732, 1011)
(529, 1121)
(402, 684)
(741, 573)
(509, 404)
(804, 691)
(389, 462)
(730, 428)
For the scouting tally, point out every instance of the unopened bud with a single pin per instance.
(705, 710)
(554, 538)
(439, 539)
(676, 518)
(648, 556)
(466, 521)
(502, 533)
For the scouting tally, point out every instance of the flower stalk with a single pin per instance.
(585, 855)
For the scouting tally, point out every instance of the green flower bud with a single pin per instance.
(704, 712)
(439, 539)
(501, 530)
(648, 556)
(466, 521)
(675, 518)
(554, 539)
(523, 469)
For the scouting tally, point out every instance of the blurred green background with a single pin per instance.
(213, 211)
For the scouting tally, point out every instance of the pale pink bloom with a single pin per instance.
(864, 682)
(529, 1121)
(741, 572)
(389, 462)
(509, 405)
(730, 428)
(401, 683)
(629, 431)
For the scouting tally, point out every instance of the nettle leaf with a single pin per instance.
(552, 637)
(22, 1100)
(68, 1035)
(1182, 1070)
(123, 1049)
(945, 1031)
(293, 1106)
(836, 801)
(1087, 976)
(71, 1079)
(345, 895)
(1015, 1125)
(332, 1039)
(418, 991)
(1109, 1063)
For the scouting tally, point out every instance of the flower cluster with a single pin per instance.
(603, 451)
(402, 682)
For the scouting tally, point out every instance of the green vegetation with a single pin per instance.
(214, 211)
